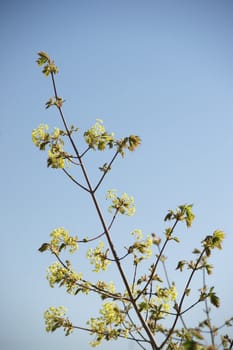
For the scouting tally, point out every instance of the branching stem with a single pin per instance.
(156, 262)
(179, 306)
(207, 312)
(105, 228)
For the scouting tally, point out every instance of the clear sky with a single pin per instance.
(159, 69)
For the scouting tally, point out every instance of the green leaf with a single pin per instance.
(44, 247)
(43, 58)
(214, 299)
(134, 142)
(176, 239)
(190, 345)
(62, 246)
(196, 251)
(169, 216)
(181, 265)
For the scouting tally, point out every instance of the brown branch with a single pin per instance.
(207, 312)
(134, 276)
(106, 171)
(86, 240)
(105, 229)
(156, 263)
(132, 322)
(86, 150)
(93, 287)
(106, 333)
(75, 181)
(169, 285)
(101, 234)
(179, 306)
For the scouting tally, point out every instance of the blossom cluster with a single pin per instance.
(164, 297)
(142, 246)
(182, 213)
(54, 319)
(60, 239)
(97, 138)
(106, 287)
(106, 326)
(49, 65)
(124, 204)
(58, 274)
(56, 155)
(98, 258)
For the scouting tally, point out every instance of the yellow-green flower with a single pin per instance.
(40, 136)
(124, 204)
(60, 239)
(97, 257)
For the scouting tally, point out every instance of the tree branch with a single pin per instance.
(105, 228)
(75, 181)
(179, 306)
(106, 171)
(156, 263)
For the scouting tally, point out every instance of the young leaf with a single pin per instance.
(44, 247)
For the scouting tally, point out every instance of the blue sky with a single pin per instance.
(159, 69)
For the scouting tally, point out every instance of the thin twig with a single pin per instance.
(106, 333)
(120, 258)
(132, 323)
(106, 171)
(207, 311)
(169, 285)
(156, 263)
(85, 240)
(179, 306)
(75, 181)
(86, 150)
(134, 277)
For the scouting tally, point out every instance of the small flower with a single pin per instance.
(54, 319)
(40, 136)
(98, 258)
(60, 239)
(124, 204)
(97, 138)
(58, 274)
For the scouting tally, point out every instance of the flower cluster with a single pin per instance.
(97, 137)
(54, 318)
(49, 66)
(58, 274)
(98, 257)
(56, 155)
(182, 213)
(161, 303)
(214, 241)
(124, 204)
(164, 297)
(40, 136)
(106, 326)
(106, 287)
(131, 143)
(60, 239)
(142, 246)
